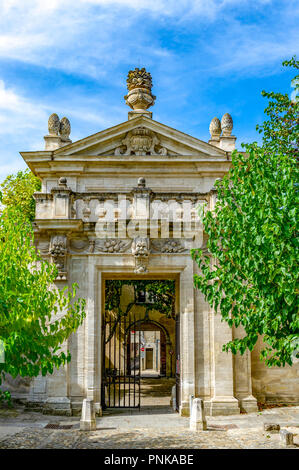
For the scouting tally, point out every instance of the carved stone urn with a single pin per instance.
(139, 84)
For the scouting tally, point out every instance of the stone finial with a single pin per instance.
(65, 129)
(139, 84)
(141, 182)
(139, 78)
(62, 182)
(54, 124)
(59, 132)
(226, 125)
(215, 128)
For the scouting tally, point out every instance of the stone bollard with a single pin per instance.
(286, 437)
(173, 398)
(198, 420)
(88, 417)
(191, 398)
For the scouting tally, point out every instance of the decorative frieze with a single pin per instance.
(112, 245)
(168, 246)
(109, 246)
(79, 244)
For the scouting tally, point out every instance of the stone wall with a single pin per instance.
(275, 384)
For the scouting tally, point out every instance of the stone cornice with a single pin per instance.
(104, 195)
(182, 165)
(59, 225)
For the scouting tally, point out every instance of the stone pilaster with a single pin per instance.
(93, 336)
(203, 347)
(187, 339)
(223, 401)
(61, 200)
(242, 378)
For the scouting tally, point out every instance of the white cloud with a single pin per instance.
(249, 50)
(91, 36)
(17, 112)
(99, 37)
(23, 123)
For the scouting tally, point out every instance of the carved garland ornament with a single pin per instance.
(168, 246)
(58, 252)
(112, 246)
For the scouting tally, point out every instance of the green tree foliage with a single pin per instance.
(251, 271)
(161, 295)
(35, 317)
(17, 191)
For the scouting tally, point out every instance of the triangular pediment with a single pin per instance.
(140, 136)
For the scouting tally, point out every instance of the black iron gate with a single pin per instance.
(178, 363)
(122, 351)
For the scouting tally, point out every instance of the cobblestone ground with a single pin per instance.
(147, 430)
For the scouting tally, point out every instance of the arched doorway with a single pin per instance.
(154, 349)
(139, 344)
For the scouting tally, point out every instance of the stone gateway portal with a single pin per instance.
(123, 205)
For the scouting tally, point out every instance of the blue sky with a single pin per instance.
(206, 57)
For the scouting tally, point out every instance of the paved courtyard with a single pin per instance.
(150, 428)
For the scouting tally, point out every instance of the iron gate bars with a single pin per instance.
(121, 364)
